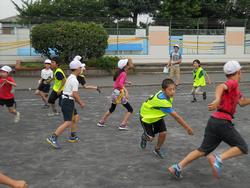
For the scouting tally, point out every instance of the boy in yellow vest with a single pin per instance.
(59, 81)
(199, 84)
(152, 113)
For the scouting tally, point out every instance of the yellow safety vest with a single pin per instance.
(151, 109)
(199, 77)
(58, 83)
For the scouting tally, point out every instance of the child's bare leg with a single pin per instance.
(190, 157)
(62, 127)
(125, 118)
(44, 98)
(105, 116)
(74, 125)
(12, 110)
(5, 180)
(161, 140)
(53, 107)
(230, 153)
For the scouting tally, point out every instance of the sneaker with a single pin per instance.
(53, 142)
(175, 171)
(216, 164)
(143, 141)
(51, 114)
(74, 139)
(100, 124)
(194, 100)
(17, 117)
(123, 127)
(158, 153)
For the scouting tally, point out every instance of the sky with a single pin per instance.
(7, 9)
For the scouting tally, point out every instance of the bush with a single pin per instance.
(68, 39)
(107, 63)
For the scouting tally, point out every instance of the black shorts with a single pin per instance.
(53, 97)
(219, 130)
(44, 87)
(7, 102)
(153, 128)
(68, 109)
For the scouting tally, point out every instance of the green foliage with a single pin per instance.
(68, 39)
(107, 63)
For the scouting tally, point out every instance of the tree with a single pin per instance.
(68, 39)
(122, 9)
(46, 11)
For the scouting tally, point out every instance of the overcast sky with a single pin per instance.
(7, 8)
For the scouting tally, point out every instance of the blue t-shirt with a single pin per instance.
(165, 110)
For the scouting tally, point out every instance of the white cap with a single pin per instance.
(122, 63)
(47, 61)
(231, 67)
(6, 69)
(176, 45)
(83, 66)
(78, 58)
(75, 64)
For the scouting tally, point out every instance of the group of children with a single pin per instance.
(153, 110)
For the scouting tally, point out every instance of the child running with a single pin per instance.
(44, 83)
(59, 81)
(69, 95)
(199, 84)
(152, 113)
(220, 127)
(6, 95)
(119, 94)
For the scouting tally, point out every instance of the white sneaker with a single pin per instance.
(17, 117)
(51, 114)
(99, 124)
(123, 128)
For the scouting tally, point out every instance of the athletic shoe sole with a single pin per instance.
(53, 145)
(123, 128)
(73, 141)
(171, 172)
(100, 125)
(211, 160)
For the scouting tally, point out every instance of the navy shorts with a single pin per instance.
(219, 130)
(68, 109)
(53, 97)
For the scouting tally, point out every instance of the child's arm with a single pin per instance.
(126, 92)
(13, 83)
(61, 86)
(92, 87)
(218, 93)
(182, 122)
(208, 78)
(244, 101)
(5, 180)
(78, 99)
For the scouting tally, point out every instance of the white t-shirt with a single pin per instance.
(46, 74)
(71, 85)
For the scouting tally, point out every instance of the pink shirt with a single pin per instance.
(229, 100)
(120, 81)
(5, 90)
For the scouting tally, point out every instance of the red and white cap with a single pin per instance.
(6, 68)
(231, 67)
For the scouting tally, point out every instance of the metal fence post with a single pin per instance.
(117, 38)
(197, 34)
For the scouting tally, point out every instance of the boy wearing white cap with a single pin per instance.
(69, 96)
(174, 64)
(220, 127)
(119, 94)
(44, 82)
(6, 95)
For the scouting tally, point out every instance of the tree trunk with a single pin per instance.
(135, 17)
